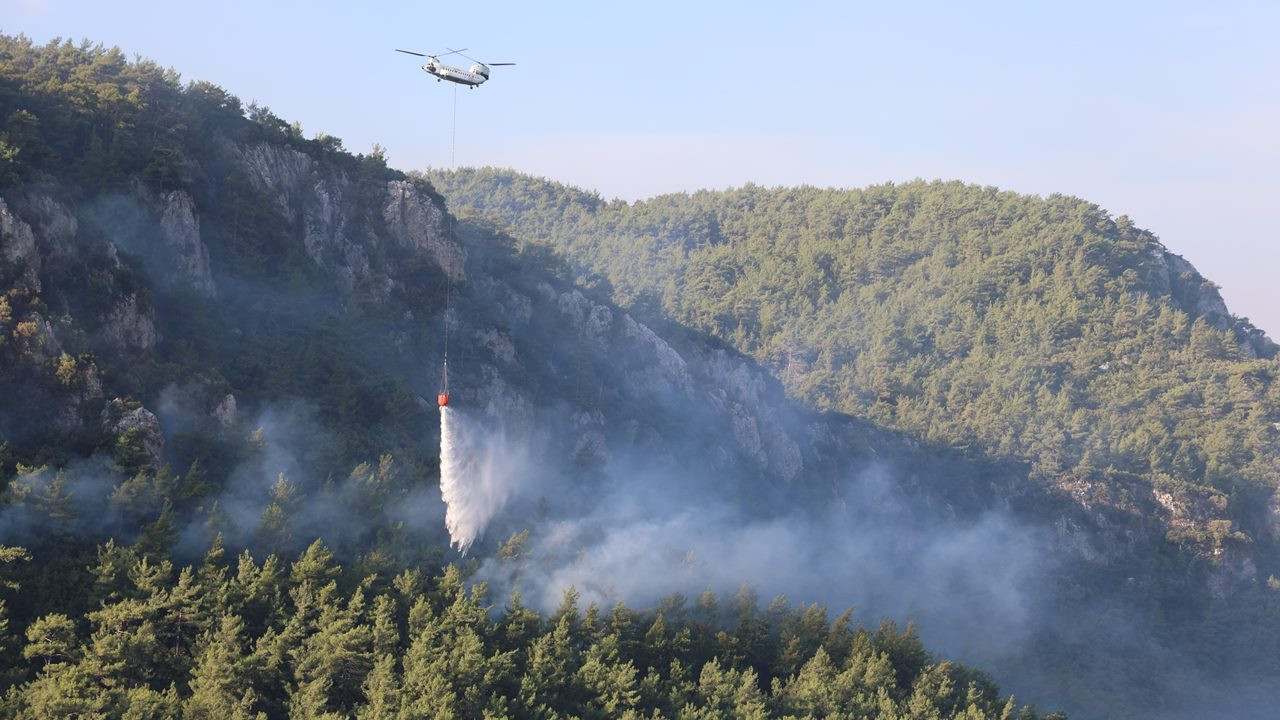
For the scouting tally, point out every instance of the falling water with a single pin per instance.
(476, 477)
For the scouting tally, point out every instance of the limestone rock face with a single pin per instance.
(280, 171)
(226, 412)
(310, 199)
(1273, 513)
(130, 324)
(185, 256)
(669, 369)
(416, 221)
(87, 387)
(55, 225)
(322, 203)
(740, 399)
(757, 424)
(119, 417)
(1232, 569)
(1200, 297)
(592, 319)
(18, 245)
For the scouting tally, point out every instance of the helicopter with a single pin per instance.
(473, 76)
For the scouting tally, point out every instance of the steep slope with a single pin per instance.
(213, 325)
(1036, 330)
(216, 333)
(1029, 328)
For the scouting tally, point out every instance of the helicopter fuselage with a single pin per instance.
(473, 77)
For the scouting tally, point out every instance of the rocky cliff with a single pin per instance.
(248, 322)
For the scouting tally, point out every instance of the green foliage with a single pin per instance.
(170, 642)
(99, 135)
(1027, 328)
(1034, 328)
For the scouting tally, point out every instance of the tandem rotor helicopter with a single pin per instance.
(471, 77)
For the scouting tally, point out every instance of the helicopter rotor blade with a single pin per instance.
(452, 52)
(466, 56)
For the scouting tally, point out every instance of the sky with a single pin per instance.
(1167, 112)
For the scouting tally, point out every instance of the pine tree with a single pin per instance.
(330, 664)
(52, 640)
(275, 526)
(382, 691)
(8, 557)
(724, 693)
(221, 678)
(65, 690)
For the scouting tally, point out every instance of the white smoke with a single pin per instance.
(478, 472)
(652, 536)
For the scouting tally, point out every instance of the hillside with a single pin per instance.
(220, 339)
(220, 466)
(1040, 329)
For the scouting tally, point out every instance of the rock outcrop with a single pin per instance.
(18, 246)
(419, 222)
(130, 324)
(1200, 298)
(735, 397)
(184, 255)
(226, 412)
(120, 418)
(321, 200)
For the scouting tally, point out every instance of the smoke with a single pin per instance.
(869, 548)
(86, 497)
(478, 473)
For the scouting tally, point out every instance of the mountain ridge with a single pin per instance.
(919, 333)
(286, 377)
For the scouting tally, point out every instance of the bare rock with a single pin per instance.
(1071, 537)
(324, 235)
(501, 402)
(130, 324)
(668, 369)
(88, 386)
(518, 306)
(590, 319)
(120, 417)
(18, 245)
(180, 232)
(1273, 511)
(277, 170)
(314, 199)
(54, 224)
(1190, 508)
(757, 425)
(90, 382)
(226, 412)
(417, 221)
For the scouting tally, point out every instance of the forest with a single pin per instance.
(131, 589)
(235, 638)
(214, 468)
(1040, 329)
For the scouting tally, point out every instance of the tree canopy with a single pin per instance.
(1041, 329)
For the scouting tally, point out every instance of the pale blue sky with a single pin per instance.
(1166, 111)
